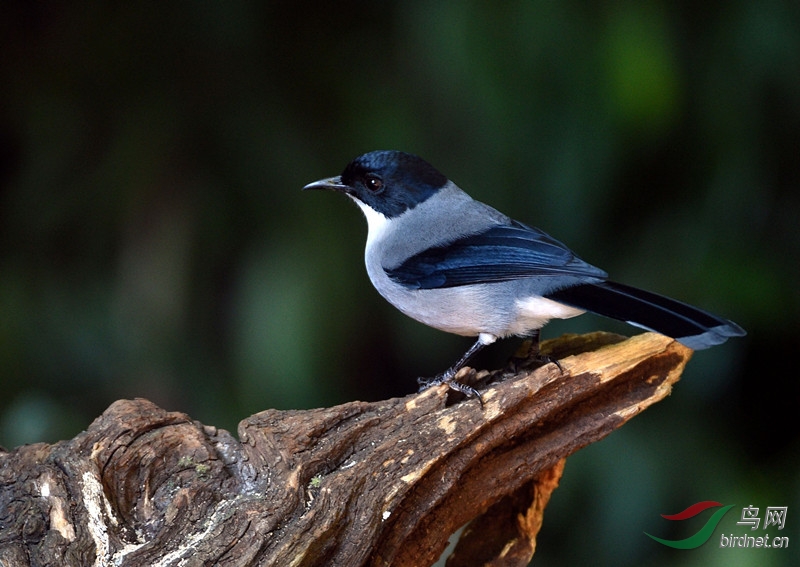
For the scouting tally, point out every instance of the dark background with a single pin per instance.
(154, 241)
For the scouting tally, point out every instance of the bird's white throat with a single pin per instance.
(377, 223)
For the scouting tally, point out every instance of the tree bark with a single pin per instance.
(369, 484)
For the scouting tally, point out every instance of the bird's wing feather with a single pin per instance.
(501, 253)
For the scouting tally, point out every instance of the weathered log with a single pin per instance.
(382, 483)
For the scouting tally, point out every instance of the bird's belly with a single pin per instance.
(471, 310)
(453, 310)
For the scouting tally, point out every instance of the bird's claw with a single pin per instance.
(448, 377)
(544, 359)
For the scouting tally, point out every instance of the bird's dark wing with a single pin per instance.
(501, 253)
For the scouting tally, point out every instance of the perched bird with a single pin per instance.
(461, 266)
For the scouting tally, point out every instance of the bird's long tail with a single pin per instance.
(689, 325)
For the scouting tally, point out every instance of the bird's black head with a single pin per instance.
(388, 181)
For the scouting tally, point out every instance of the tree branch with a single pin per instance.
(376, 484)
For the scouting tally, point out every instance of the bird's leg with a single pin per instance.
(537, 356)
(448, 376)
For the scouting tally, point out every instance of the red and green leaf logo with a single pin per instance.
(704, 534)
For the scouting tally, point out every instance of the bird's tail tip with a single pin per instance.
(713, 336)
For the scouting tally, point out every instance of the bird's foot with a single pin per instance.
(531, 361)
(449, 377)
(545, 359)
(530, 355)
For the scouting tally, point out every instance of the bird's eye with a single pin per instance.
(374, 184)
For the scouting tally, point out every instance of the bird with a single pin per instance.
(461, 266)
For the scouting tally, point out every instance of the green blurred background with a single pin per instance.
(154, 241)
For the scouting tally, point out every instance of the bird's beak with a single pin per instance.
(331, 184)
